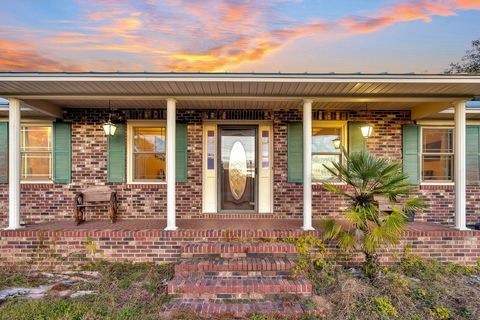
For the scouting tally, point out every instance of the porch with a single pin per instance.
(61, 244)
(78, 105)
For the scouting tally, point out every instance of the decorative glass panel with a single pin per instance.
(437, 167)
(36, 152)
(265, 147)
(237, 173)
(319, 172)
(437, 140)
(211, 150)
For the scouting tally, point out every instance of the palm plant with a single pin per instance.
(369, 178)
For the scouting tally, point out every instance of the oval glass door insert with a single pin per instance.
(237, 171)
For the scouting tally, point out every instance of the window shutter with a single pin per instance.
(411, 152)
(473, 155)
(295, 151)
(3, 152)
(181, 153)
(356, 141)
(62, 152)
(116, 160)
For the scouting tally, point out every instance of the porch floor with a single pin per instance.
(201, 224)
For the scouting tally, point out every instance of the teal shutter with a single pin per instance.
(116, 160)
(295, 151)
(3, 152)
(473, 155)
(411, 152)
(62, 152)
(356, 141)
(181, 153)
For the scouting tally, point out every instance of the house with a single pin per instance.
(197, 154)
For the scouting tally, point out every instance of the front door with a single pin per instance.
(237, 158)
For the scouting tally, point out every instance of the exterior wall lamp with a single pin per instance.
(367, 129)
(109, 127)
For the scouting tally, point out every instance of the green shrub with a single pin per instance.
(384, 307)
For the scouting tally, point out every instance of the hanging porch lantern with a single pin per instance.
(366, 131)
(109, 127)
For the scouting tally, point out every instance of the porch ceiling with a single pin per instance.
(56, 91)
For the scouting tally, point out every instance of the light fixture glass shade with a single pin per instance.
(366, 131)
(337, 143)
(109, 128)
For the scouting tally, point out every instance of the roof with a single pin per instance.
(340, 91)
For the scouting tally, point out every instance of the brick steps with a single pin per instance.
(219, 277)
(235, 267)
(237, 250)
(238, 288)
(236, 310)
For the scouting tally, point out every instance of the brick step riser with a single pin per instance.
(228, 255)
(241, 296)
(236, 248)
(260, 288)
(232, 274)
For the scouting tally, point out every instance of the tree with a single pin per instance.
(368, 228)
(470, 63)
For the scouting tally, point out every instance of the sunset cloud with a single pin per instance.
(190, 35)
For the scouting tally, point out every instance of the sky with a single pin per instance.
(398, 36)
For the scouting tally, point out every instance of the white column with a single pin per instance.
(171, 198)
(14, 164)
(307, 165)
(460, 175)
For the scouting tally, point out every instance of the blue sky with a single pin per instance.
(421, 36)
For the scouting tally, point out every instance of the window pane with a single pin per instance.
(319, 172)
(36, 138)
(437, 140)
(322, 139)
(149, 140)
(437, 167)
(36, 166)
(149, 166)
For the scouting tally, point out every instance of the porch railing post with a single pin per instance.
(307, 165)
(14, 164)
(460, 166)
(171, 197)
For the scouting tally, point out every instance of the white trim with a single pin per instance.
(209, 177)
(337, 78)
(446, 123)
(140, 124)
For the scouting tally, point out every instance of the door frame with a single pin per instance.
(209, 176)
(255, 127)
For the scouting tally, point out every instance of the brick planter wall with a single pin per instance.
(68, 249)
(48, 202)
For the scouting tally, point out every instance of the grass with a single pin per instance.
(414, 289)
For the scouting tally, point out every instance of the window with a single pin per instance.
(36, 152)
(437, 154)
(324, 150)
(147, 153)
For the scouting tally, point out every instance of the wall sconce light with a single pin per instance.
(337, 143)
(109, 127)
(367, 129)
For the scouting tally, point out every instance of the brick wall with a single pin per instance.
(69, 249)
(44, 202)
